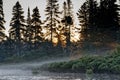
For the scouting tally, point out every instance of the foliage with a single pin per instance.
(44, 52)
(36, 26)
(2, 21)
(52, 17)
(17, 23)
(17, 27)
(99, 23)
(68, 21)
(110, 18)
(28, 37)
(99, 64)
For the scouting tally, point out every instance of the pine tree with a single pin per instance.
(109, 14)
(17, 29)
(69, 23)
(60, 30)
(2, 21)
(109, 20)
(88, 17)
(93, 9)
(52, 17)
(17, 23)
(28, 31)
(36, 26)
(83, 17)
(28, 27)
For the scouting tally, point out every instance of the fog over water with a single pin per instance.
(24, 71)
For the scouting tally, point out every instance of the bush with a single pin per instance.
(78, 65)
(68, 65)
(55, 65)
(107, 64)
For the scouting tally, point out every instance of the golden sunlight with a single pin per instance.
(6, 32)
(55, 40)
(75, 38)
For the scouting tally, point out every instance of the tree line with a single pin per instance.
(99, 22)
(30, 30)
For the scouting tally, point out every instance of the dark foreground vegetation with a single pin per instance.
(90, 64)
(33, 54)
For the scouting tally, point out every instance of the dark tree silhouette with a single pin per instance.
(68, 20)
(2, 21)
(28, 37)
(60, 30)
(17, 23)
(108, 14)
(99, 23)
(87, 16)
(17, 29)
(108, 20)
(36, 26)
(52, 17)
(83, 17)
(28, 27)
(92, 21)
(93, 9)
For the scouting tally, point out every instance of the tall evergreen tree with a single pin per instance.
(36, 26)
(60, 32)
(69, 23)
(109, 14)
(28, 27)
(28, 30)
(109, 19)
(52, 17)
(93, 9)
(83, 17)
(2, 21)
(17, 23)
(17, 29)
(87, 16)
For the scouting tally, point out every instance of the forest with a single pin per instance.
(99, 25)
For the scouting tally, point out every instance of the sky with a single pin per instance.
(8, 5)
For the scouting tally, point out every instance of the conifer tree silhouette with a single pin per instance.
(17, 29)
(36, 26)
(52, 17)
(2, 21)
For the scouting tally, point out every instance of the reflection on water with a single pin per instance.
(23, 78)
(27, 75)
(54, 78)
(25, 72)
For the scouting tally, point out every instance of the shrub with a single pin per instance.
(90, 64)
(78, 65)
(68, 65)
